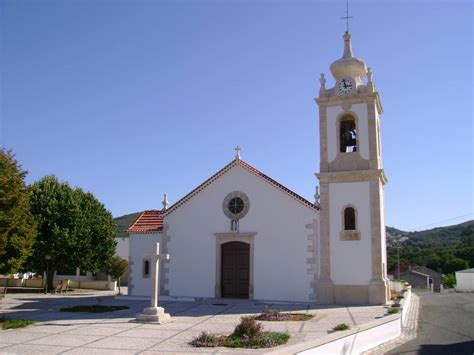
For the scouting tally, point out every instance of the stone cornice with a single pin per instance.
(353, 99)
(352, 176)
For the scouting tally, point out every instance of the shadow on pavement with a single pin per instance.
(466, 347)
(47, 309)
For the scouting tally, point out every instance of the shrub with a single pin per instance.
(248, 327)
(8, 323)
(396, 305)
(263, 340)
(449, 280)
(206, 340)
(342, 326)
(393, 310)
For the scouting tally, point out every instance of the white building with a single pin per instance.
(241, 234)
(465, 280)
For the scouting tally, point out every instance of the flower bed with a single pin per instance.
(247, 334)
(273, 315)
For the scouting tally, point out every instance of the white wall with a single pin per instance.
(280, 270)
(360, 110)
(122, 248)
(464, 282)
(140, 245)
(348, 255)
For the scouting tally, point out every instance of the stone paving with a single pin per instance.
(116, 332)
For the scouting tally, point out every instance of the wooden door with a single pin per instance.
(235, 266)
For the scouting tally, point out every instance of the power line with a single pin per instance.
(446, 220)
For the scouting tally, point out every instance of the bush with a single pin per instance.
(342, 326)
(393, 310)
(396, 305)
(247, 327)
(8, 323)
(263, 340)
(449, 280)
(206, 340)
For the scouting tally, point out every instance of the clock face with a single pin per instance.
(346, 85)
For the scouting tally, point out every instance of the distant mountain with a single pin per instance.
(442, 237)
(123, 222)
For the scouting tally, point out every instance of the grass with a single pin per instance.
(7, 323)
(342, 326)
(393, 310)
(96, 308)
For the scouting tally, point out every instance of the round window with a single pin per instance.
(236, 205)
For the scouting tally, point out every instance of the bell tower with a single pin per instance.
(352, 234)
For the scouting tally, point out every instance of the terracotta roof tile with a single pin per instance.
(148, 222)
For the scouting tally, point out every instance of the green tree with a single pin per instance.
(449, 280)
(17, 225)
(74, 229)
(117, 267)
(455, 264)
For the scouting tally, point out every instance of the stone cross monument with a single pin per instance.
(155, 314)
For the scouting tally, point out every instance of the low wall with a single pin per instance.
(38, 283)
(361, 339)
(90, 284)
(7, 282)
(358, 339)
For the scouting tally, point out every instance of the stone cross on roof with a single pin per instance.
(237, 150)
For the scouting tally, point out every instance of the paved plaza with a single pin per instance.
(117, 333)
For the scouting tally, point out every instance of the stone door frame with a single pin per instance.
(222, 238)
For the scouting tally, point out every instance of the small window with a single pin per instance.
(146, 268)
(83, 272)
(349, 219)
(348, 135)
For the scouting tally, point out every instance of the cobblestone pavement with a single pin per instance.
(115, 333)
(408, 331)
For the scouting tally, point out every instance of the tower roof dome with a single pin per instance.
(348, 65)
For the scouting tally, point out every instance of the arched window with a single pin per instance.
(348, 134)
(146, 268)
(349, 219)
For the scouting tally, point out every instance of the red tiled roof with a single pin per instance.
(148, 222)
(249, 168)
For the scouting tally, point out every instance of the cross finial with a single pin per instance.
(347, 17)
(237, 150)
(165, 202)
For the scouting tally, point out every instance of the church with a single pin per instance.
(241, 234)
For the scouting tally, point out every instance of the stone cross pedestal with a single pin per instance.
(155, 314)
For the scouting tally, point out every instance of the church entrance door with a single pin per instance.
(235, 266)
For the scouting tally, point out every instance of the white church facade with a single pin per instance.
(241, 234)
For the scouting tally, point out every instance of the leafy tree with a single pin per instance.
(117, 267)
(17, 225)
(455, 264)
(74, 229)
(449, 280)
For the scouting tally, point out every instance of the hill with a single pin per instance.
(123, 222)
(441, 237)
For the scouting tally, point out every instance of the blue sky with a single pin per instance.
(131, 99)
